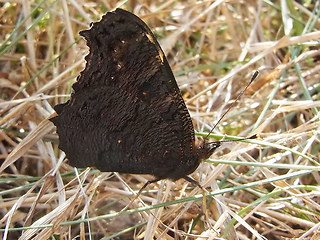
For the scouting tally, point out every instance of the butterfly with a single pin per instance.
(126, 113)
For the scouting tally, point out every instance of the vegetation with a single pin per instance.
(263, 188)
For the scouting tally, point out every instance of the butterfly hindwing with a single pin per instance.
(126, 113)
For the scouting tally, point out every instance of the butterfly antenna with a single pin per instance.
(254, 136)
(254, 76)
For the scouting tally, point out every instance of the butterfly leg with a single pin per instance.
(140, 191)
(204, 202)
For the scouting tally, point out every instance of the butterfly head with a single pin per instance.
(205, 149)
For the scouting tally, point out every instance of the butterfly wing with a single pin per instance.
(126, 113)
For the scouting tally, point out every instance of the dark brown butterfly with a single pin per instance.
(126, 113)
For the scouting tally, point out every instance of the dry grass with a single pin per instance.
(265, 188)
